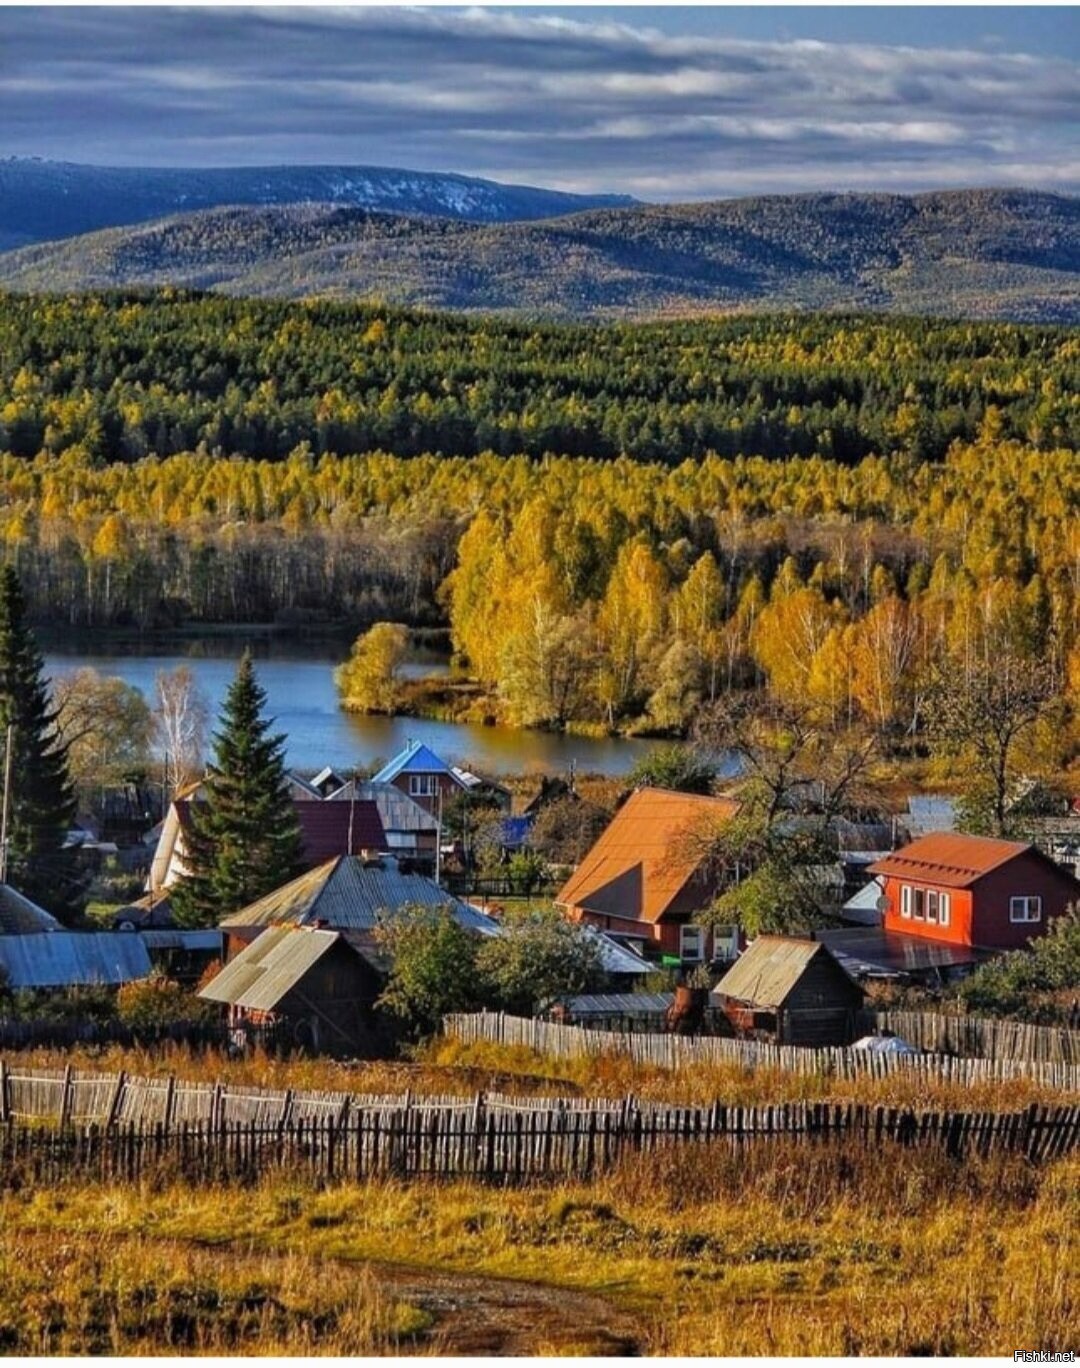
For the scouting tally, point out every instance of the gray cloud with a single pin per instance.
(526, 95)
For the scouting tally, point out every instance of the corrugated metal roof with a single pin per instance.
(170, 938)
(951, 859)
(68, 959)
(768, 969)
(869, 951)
(638, 867)
(930, 812)
(619, 1004)
(270, 967)
(862, 907)
(397, 810)
(348, 894)
(615, 958)
(20, 917)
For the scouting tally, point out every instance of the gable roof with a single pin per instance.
(397, 810)
(636, 869)
(350, 894)
(416, 758)
(326, 829)
(951, 858)
(19, 916)
(770, 968)
(270, 967)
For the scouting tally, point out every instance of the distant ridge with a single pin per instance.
(992, 254)
(44, 200)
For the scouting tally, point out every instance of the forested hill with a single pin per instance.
(122, 376)
(42, 200)
(977, 254)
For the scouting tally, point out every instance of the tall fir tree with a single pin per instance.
(42, 802)
(243, 838)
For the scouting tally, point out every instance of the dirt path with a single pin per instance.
(475, 1314)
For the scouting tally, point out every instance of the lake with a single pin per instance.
(299, 681)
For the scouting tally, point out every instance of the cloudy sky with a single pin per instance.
(661, 103)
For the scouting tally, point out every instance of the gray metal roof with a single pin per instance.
(619, 1004)
(768, 969)
(173, 938)
(862, 907)
(873, 952)
(68, 959)
(615, 958)
(19, 916)
(270, 967)
(397, 811)
(349, 894)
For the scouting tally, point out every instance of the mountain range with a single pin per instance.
(43, 200)
(1005, 254)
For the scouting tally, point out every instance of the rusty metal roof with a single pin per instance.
(270, 967)
(768, 969)
(350, 894)
(639, 865)
(69, 959)
(19, 916)
(949, 858)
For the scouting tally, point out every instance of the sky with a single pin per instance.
(662, 103)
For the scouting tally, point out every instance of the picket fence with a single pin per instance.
(977, 1037)
(512, 1146)
(688, 1052)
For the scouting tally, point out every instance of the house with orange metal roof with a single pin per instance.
(972, 891)
(645, 878)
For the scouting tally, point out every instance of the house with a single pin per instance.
(792, 990)
(304, 987)
(411, 831)
(348, 894)
(644, 880)
(972, 891)
(326, 830)
(420, 774)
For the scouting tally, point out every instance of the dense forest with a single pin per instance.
(833, 506)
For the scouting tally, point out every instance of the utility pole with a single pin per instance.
(9, 747)
(438, 833)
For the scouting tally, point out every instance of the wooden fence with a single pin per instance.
(977, 1037)
(686, 1052)
(474, 1139)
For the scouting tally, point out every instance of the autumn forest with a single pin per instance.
(614, 523)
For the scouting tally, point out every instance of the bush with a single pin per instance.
(1013, 984)
(156, 1002)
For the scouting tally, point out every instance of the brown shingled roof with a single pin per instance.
(949, 858)
(639, 867)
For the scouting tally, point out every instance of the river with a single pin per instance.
(298, 677)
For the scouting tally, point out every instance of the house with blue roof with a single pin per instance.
(428, 780)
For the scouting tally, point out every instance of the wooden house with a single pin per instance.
(428, 780)
(645, 878)
(972, 891)
(791, 991)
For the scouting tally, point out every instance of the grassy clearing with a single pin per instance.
(447, 1066)
(777, 1250)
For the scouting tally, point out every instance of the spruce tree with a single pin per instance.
(243, 837)
(43, 801)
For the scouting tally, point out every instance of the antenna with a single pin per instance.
(9, 747)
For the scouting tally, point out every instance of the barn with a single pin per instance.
(790, 990)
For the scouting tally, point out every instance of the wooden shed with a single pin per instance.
(790, 990)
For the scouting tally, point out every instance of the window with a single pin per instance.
(1026, 909)
(944, 902)
(423, 785)
(931, 905)
(905, 901)
(691, 943)
(919, 904)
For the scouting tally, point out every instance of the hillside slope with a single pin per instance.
(981, 254)
(44, 200)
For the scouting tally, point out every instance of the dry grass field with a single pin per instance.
(775, 1249)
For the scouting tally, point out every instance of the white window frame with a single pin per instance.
(1028, 906)
(944, 908)
(932, 904)
(697, 935)
(918, 904)
(423, 785)
(905, 901)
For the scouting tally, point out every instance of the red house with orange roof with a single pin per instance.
(643, 881)
(972, 891)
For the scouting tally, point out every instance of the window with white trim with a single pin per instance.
(944, 908)
(918, 901)
(692, 943)
(905, 900)
(1026, 909)
(423, 785)
(931, 905)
